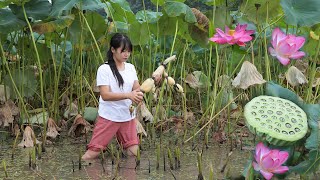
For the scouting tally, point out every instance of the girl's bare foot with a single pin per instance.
(90, 155)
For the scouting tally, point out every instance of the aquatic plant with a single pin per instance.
(237, 36)
(286, 47)
(268, 161)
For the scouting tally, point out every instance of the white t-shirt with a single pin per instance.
(117, 111)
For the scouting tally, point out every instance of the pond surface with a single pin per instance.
(61, 161)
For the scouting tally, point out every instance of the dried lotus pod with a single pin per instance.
(147, 85)
(280, 121)
(169, 80)
(79, 126)
(52, 128)
(295, 77)
(247, 76)
(202, 20)
(178, 88)
(28, 138)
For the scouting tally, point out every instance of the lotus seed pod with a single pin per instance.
(178, 88)
(159, 71)
(280, 121)
(170, 81)
(169, 59)
(131, 108)
(147, 85)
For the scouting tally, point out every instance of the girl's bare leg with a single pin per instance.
(132, 150)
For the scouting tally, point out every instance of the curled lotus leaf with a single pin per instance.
(295, 77)
(247, 76)
(280, 121)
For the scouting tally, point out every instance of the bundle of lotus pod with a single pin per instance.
(280, 121)
(149, 84)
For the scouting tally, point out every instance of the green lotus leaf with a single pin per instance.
(174, 9)
(151, 17)
(56, 25)
(90, 114)
(121, 11)
(249, 8)
(158, 2)
(36, 119)
(280, 120)
(301, 13)
(9, 22)
(25, 81)
(35, 9)
(138, 33)
(61, 5)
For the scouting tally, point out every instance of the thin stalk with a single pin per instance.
(5, 62)
(5, 168)
(15, 144)
(138, 157)
(266, 48)
(158, 156)
(94, 39)
(312, 75)
(40, 70)
(170, 159)
(199, 158)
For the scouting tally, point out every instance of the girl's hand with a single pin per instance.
(136, 96)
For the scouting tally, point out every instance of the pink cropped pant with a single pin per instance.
(105, 129)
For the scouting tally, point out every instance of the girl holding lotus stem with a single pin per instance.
(119, 88)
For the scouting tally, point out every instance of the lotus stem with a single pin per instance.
(112, 154)
(39, 150)
(33, 157)
(199, 157)
(80, 154)
(164, 160)
(312, 75)
(158, 156)
(5, 168)
(102, 160)
(15, 144)
(211, 175)
(40, 70)
(170, 159)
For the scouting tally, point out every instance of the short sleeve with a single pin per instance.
(135, 73)
(103, 75)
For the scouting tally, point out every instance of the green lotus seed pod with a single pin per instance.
(280, 121)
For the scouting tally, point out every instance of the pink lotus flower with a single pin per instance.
(269, 161)
(238, 36)
(286, 47)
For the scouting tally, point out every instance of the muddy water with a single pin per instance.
(57, 163)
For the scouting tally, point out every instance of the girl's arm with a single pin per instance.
(106, 94)
(136, 85)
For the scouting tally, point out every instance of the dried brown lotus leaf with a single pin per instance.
(140, 128)
(28, 138)
(202, 20)
(7, 111)
(295, 77)
(302, 65)
(52, 128)
(192, 81)
(316, 81)
(79, 126)
(248, 76)
(143, 113)
(71, 110)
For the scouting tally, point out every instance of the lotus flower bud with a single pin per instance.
(170, 81)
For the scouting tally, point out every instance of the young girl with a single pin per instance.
(119, 87)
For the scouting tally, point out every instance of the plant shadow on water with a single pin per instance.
(61, 161)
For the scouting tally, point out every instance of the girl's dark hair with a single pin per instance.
(118, 40)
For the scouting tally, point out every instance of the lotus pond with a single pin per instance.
(237, 92)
